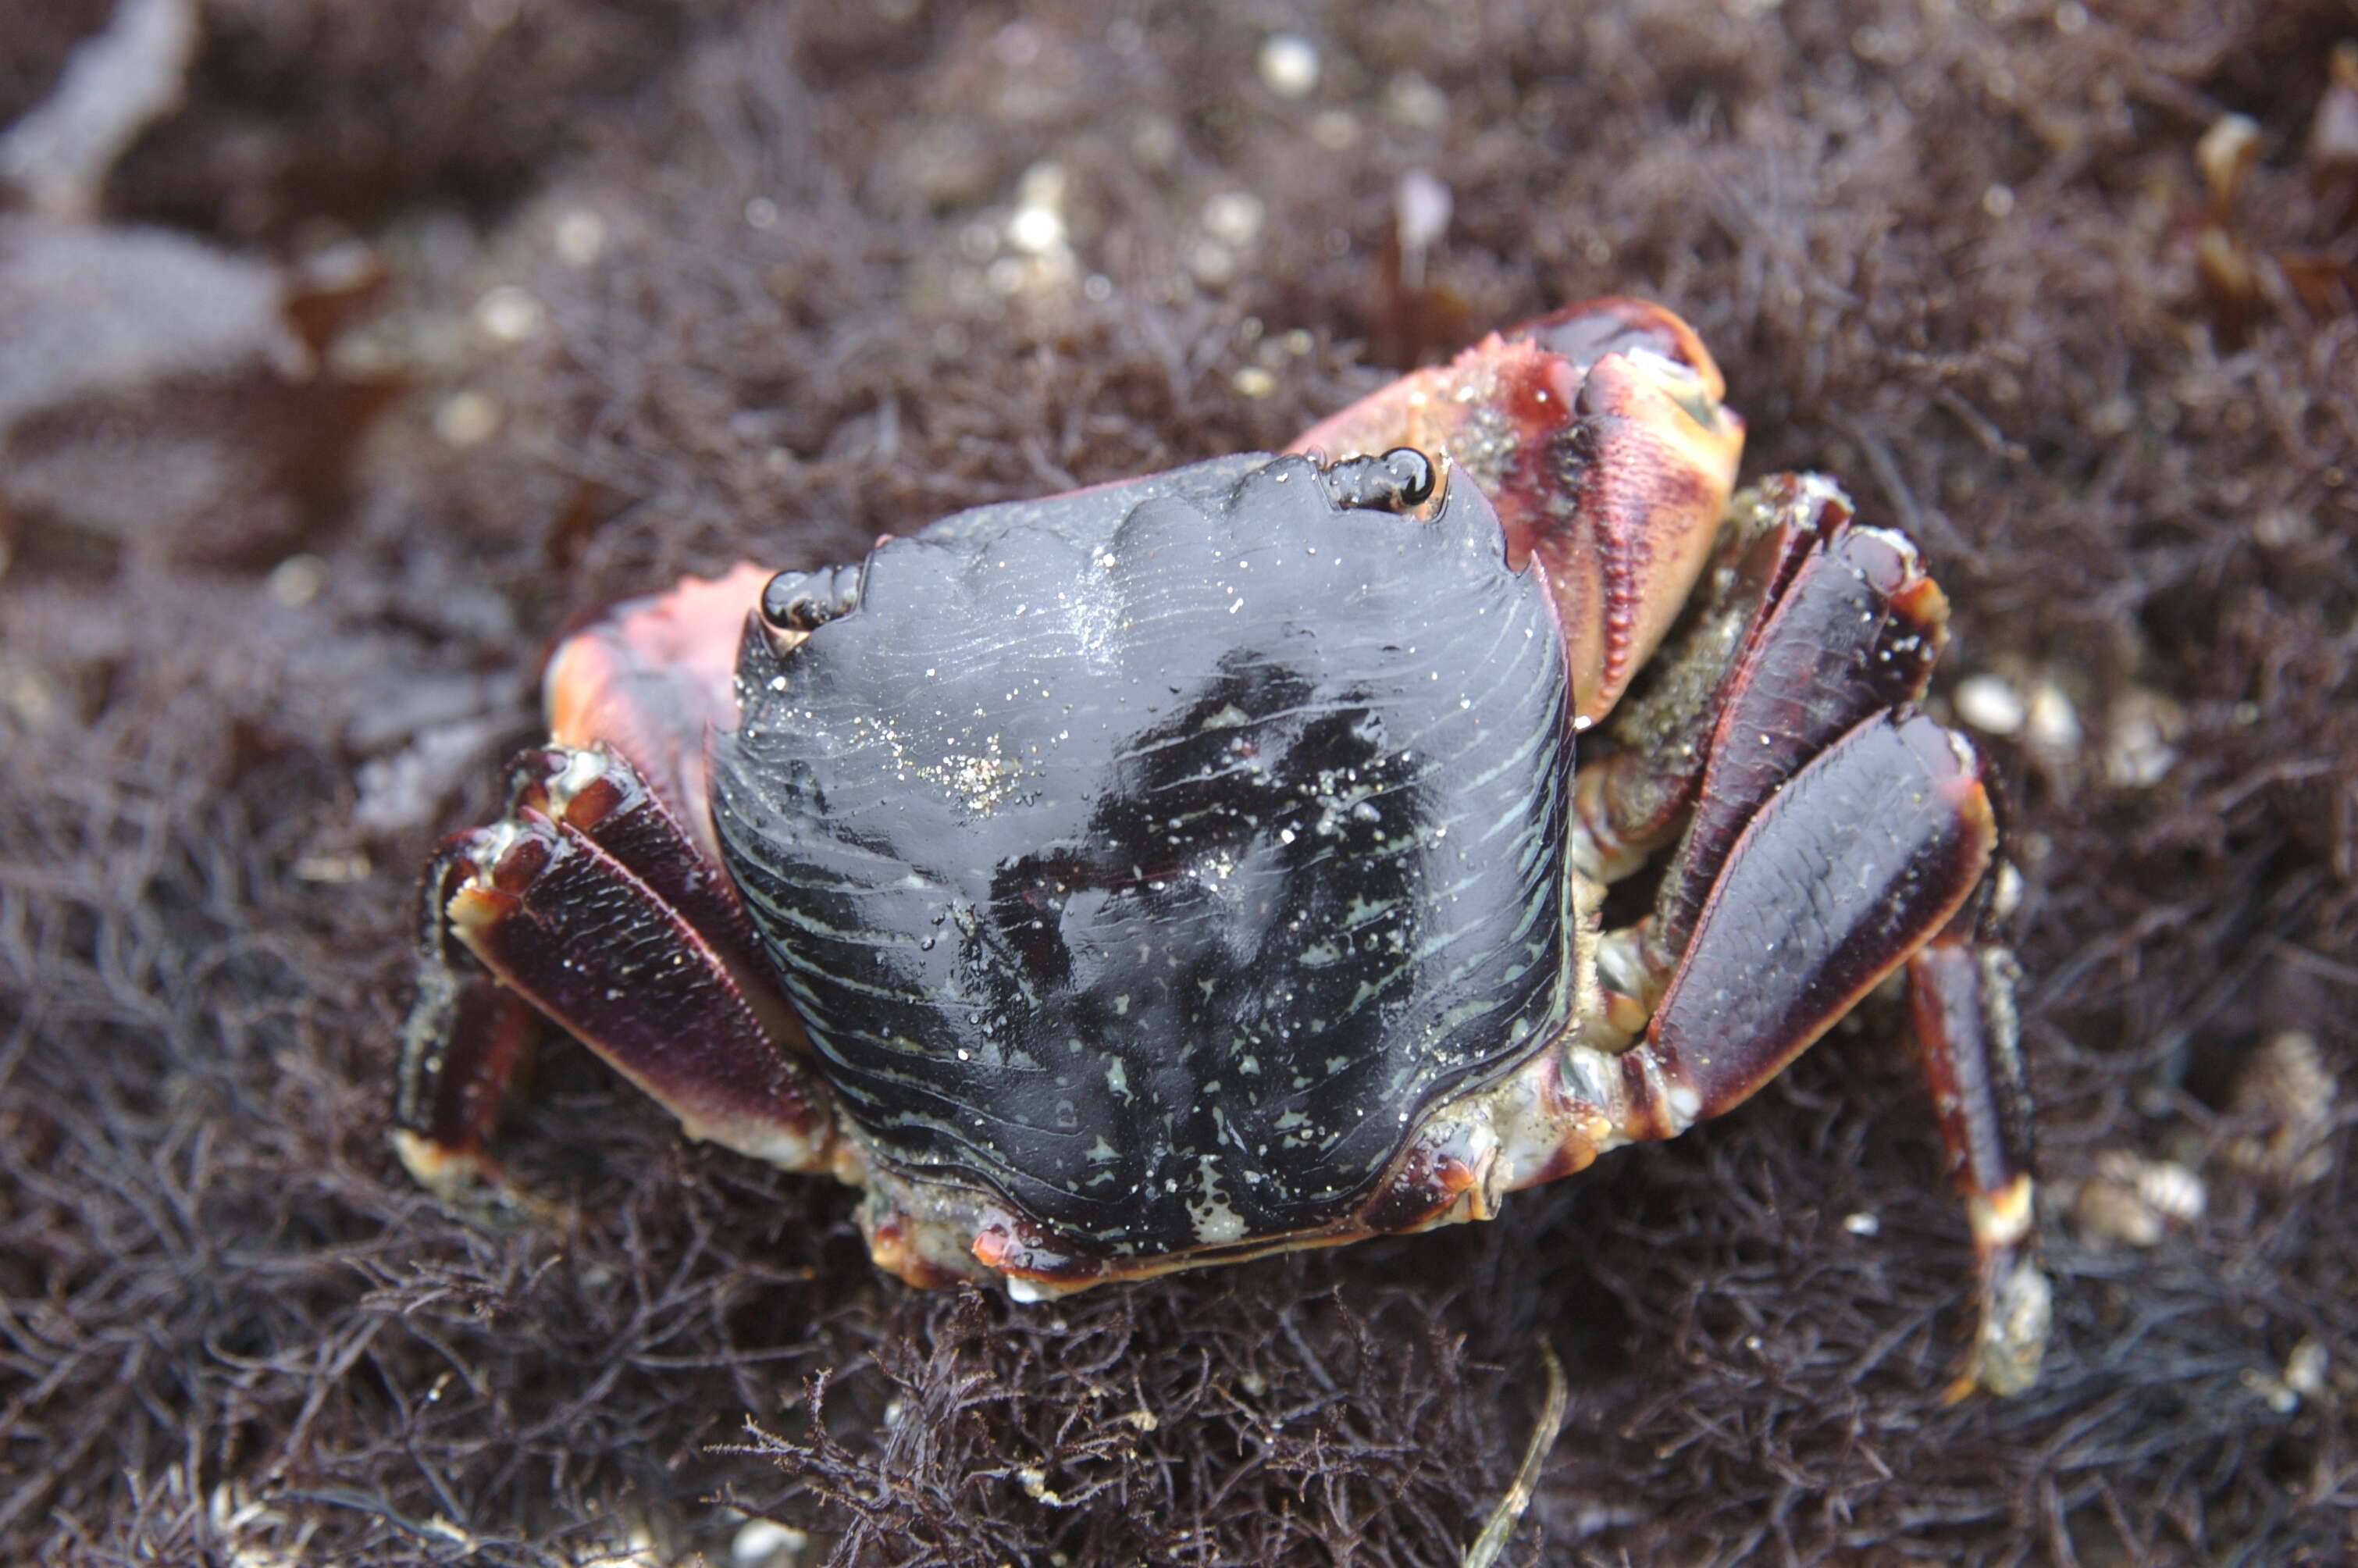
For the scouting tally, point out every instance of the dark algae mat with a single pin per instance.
(349, 350)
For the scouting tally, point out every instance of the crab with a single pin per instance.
(1206, 865)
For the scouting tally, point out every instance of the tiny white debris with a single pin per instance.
(1035, 1482)
(2172, 1191)
(1289, 65)
(1421, 210)
(350, 866)
(2007, 897)
(1037, 229)
(2053, 724)
(1990, 704)
(2305, 1370)
(580, 236)
(297, 580)
(2285, 1090)
(509, 313)
(1861, 1224)
(467, 418)
(2138, 752)
(1337, 130)
(2133, 1200)
(765, 1543)
(1415, 103)
(2283, 529)
(1234, 218)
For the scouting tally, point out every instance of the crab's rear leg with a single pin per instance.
(465, 1039)
(1961, 997)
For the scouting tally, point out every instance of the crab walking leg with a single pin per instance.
(1855, 632)
(595, 789)
(1847, 626)
(1636, 798)
(1863, 858)
(1961, 1000)
(588, 904)
(465, 1037)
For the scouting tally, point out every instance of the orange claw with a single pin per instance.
(1599, 436)
(650, 675)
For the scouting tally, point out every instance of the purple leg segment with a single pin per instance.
(1859, 859)
(466, 1036)
(1834, 836)
(1960, 994)
(587, 906)
(1854, 634)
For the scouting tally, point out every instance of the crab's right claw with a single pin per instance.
(1599, 436)
(1648, 466)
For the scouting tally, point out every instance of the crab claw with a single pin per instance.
(650, 677)
(1598, 435)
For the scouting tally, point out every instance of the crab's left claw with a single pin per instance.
(1599, 436)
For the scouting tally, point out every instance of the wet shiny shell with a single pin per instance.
(1155, 856)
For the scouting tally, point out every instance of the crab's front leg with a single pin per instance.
(597, 903)
(575, 906)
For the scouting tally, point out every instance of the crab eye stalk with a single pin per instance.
(803, 602)
(1399, 481)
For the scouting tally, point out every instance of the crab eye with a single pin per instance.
(801, 601)
(1401, 479)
